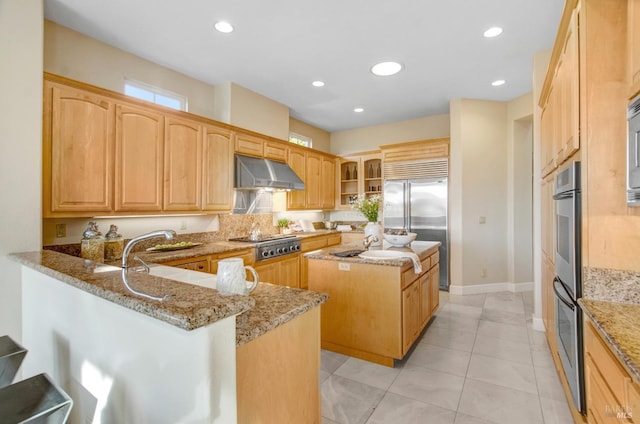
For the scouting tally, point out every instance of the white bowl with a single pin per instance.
(397, 240)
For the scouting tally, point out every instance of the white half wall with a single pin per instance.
(21, 48)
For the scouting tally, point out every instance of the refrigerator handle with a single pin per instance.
(407, 203)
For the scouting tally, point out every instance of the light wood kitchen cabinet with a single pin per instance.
(182, 165)
(217, 169)
(251, 145)
(611, 395)
(411, 324)
(633, 46)
(328, 183)
(317, 170)
(139, 139)
(560, 126)
(313, 182)
(78, 152)
(434, 299)
(286, 391)
(374, 312)
(308, 244)
(415, 150)
(359, 174)
(296, 199)
(284, 271)
(247, 256)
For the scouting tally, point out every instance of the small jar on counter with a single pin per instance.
(113, 244)
(92, 244)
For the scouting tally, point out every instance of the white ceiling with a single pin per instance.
(280, 46)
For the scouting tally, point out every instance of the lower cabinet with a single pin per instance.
(202, 266)
(284, 271)
(313, 243)
(611, 395)
(287, 389)
(411, 322)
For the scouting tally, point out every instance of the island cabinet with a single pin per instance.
(308, 244)
(633, 46)
(374, 312)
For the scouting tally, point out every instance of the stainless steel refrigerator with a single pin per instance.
(420, 206)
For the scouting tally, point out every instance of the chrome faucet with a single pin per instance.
(169, 235)
(368, 240)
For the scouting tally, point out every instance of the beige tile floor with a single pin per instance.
(479, 361)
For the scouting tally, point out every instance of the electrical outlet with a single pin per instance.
(482, 220)
(183, 225)
(61, 230)
(343, 266)
(483, 272)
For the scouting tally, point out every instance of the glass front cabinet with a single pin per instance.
(359, 174)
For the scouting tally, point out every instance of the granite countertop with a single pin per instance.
(274, 305)
(189, 308)
(619, 325)
(422, 248)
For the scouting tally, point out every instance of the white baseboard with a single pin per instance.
(491, 288)
(538, 324)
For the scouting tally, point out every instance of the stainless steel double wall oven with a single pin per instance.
(567, 283)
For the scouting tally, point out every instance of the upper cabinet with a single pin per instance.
(182, 164)
(106, 154)
(78, 152)
(359, 174)
(317, 170)
(139, 158)
(217, 180)
(560, 116)
(252, 145)
(633, 46)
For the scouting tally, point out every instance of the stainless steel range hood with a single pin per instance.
(256, 173)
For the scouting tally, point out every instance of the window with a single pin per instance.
(302, 140)
(153, 94)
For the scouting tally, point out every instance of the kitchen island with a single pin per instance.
(377, 308)
(192, 358)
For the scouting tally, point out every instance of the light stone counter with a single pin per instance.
(423, 249)
(619, 325)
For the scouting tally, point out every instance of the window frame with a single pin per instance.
(300, 137)
(156, 91)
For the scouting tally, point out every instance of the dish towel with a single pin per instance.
(417, 266)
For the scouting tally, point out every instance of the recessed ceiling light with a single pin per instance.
(318, 83)
(493, 32)
(385, 69)
(223, 26)
(358, 110)
(498, 82)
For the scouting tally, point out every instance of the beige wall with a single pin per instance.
(77, 56)
(321, 138)
(74, 55)
(369, 138)
(478, 188)
(520, 188)
(21, 143)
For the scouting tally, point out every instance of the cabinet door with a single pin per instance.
(249, 145)
(78, 151)
(633, 42)
(313, 182)
(289, 272)
(276, 151)
(139, 150)
(547, 134)
(296, 198)
(410, 315)
(425, 298)
(202, 266)
(328, 183)
(570, 140)
(182, 165)
(435, 288)
(217, 173)
(267, 273)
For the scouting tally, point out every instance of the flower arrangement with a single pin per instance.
(369, 206)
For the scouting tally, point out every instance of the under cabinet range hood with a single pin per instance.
(256, 173)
